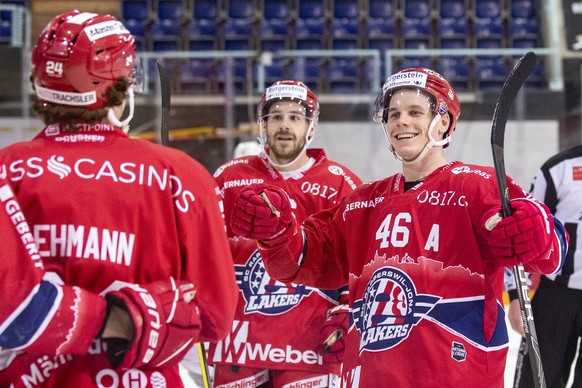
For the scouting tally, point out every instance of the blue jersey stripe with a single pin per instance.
(32, 317)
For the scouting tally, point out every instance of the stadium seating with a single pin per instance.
(275, 25)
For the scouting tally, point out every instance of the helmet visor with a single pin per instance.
(137, 76)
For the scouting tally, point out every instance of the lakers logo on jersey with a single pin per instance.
(263, 294)
(389, 309)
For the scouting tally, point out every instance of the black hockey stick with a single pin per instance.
(511, 87)
(166, 103)
(166, 95)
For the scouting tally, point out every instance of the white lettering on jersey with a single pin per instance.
(84, 242)
(22, 228)
(351, 378)
(432, 242)
(362, 205)
(446, 198)
(242, 182)
(318, 190)
(234, 348)
(125, 173)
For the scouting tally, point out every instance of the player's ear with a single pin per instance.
(445, 123)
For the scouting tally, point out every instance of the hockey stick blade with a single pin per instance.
(509, 91)
(166, 101)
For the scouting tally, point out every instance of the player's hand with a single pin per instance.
(522, 237)
(261, 212)
(334, 330)
(514, 316)
(165, 319)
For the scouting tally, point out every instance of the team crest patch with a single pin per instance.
(389, 309)
(458, 352)
(264, 295)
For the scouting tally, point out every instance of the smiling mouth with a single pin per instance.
(404, 136)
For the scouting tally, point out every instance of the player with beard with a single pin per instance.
(280, 328)
(423, 250)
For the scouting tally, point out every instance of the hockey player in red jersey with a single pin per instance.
(423, 250)
(279, 328)
(106, 210)
(39, 313)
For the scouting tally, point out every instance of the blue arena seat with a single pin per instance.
(310, 71)
(139, 10)
(490, 73)
(276, 10)
(310, 34)
(452, 9)
(416, 9)
(452, 33)
(523, 33)
(345, 34)
(238, 35)
(489, 9)
(311, 9)
(241, 9)
(522, 9)
(343, 75)
(417, 33)
(166, 35)
(346, 9)
(381, 9)
(239, 75)
(195, 76)
(457, 70)
(205, 9)
(171, 10)
(202, 35)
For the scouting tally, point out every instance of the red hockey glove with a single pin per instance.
(261, 212)
(334, 331)
(166, 322)
(522, 237)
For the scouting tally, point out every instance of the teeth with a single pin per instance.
(405, 136)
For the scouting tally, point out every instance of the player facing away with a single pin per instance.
(106, 210)
(423, 251)
(279, 328)
(38, 312)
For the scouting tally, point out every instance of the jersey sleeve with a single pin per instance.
(39, 315)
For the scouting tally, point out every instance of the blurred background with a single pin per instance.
(221, 54)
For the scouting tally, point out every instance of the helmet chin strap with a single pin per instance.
(263, 141)
(124, 125)
(427, 147)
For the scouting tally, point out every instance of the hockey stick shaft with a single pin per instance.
(166, 103)
(511, 87)
(166, 95)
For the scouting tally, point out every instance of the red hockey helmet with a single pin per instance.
(79, 56)
(426, 80)
(289, 90)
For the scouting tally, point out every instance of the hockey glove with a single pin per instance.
(261, 212)
(166, 323)
(334, 331)
(524, 236)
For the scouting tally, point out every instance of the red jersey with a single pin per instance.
(103, 207)
(36, 313)
(277, 325)
(426, 304)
